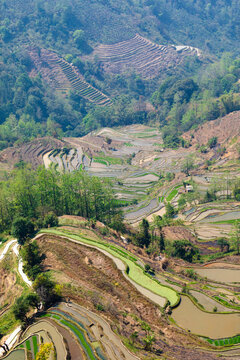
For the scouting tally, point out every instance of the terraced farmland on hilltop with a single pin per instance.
(63, 76)
(142, 56)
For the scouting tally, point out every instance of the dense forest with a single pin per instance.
(199, 90)
(212, 24)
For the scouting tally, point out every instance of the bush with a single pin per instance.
(212, 142)
(50, 220)
(191, 274)
(184, 249)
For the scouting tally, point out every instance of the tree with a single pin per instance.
(184, 250)
(209, 196)
(235, 237)
(236, 193)
(46, 289)
(187, 165)
(21, 308)
(50, 220)
(22, 229)
(170, 212)
(148, 341)
(143, 237)
(32, 259)
(212, 142)
(23, 305)
(223, 243)
(149, 338)
(117, 223)
(161, 242)
(45, 351)
(147, 267)
(133, 337)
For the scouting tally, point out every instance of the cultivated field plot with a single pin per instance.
(144, 283)
(63, 76)
(131, 156)
(142, 56)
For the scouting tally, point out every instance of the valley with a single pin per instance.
(145, 177)
(119, 180)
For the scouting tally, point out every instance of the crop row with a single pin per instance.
(141, 54)
(85, 89)
(225, 342)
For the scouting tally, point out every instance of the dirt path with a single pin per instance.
(20, 266)
(6, 248)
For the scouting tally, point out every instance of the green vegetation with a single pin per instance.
(185, 103)
(28, 108)
(235, 237)
(184, 249)
(22, 229)
(108, 160)
(235, 340)
(32, 259)
(47, 291)
(8, 322)
(80, 337)
(22, 306)
(227, 304)
(136, 273)
(173, 193)
(231, 222)
(42, 194)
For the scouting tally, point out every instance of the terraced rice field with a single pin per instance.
(16, 355)
(31, 346)
(139, 213)
(64, 76)
(208, 303)
(235, 340)
(142, 56)
(48, 333)
(214, 326)
(220, 275)
(93, 333)
(129, 160)
(154, 290)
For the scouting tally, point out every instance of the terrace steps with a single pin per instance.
(64, 76)
(141, 55)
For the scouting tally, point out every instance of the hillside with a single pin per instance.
(119, 179)
(144, 173)
(69, 68)
(225, 129)
(141, 56)
(210, 25)
(62, 76)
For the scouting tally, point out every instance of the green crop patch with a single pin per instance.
(136, 272)
(81, 338)
(226, 341)
(35, 345)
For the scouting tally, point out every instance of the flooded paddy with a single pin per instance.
(215, 326)
(144, 211)
(231, 215)
(209, 303)
(220, 275)
(16, 355)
